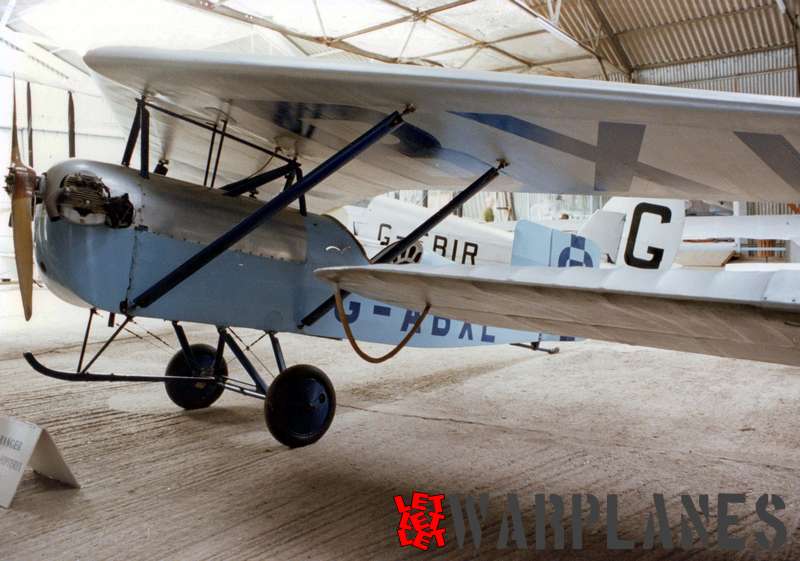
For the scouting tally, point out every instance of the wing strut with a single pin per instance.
(144, 141)
(134, 134)
(391, 251)
(264, 213)
(219, 152)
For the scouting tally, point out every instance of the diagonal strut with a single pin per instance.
(264, 213)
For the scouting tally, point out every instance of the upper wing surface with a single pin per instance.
(559, 135)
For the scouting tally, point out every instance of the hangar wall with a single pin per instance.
(766, 73)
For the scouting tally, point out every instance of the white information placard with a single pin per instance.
(25, 444)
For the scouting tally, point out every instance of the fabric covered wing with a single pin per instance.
(756, 227)
(741, 315)
(559, 135)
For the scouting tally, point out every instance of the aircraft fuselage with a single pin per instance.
(265, 281)
(100, 258)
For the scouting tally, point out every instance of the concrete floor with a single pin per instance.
(160, 483)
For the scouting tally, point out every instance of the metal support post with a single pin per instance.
(245, 362)
(276, 349)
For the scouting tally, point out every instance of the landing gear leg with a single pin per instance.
(276, 349)
(300, 404)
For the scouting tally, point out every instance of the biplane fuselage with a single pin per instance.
(264, 282)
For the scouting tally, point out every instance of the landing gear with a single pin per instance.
(200, 394)
(300, 405)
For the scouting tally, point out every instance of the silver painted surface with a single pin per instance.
(750, 315)
(188, 212)
(183, 211)
(549, 129)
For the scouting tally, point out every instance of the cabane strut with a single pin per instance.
(137, 132)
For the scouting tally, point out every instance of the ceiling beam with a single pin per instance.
(484, 43)
(544, 63)
(600, 58)
(477, 43)
(793, 15)
(416, 15)
(376, 27)
(333, 43)
(612, 39)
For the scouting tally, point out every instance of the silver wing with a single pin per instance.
(559, 135)
(740, 315)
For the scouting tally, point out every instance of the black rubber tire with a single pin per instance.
(195, 395)
(300, 405)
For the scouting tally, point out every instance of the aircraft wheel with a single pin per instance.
(195, 395)
(300, 405)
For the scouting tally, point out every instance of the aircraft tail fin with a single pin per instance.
(638, 233)
(537, 245)
(604, 228)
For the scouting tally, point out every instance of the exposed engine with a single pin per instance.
(85, 199)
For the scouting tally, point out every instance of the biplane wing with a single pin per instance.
(750, 315)
(559, 135)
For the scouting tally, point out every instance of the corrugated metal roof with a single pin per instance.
(657, 33)
(766, 73)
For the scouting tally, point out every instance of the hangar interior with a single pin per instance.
(464, 421)
(744, 46)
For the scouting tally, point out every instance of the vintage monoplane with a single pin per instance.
(307, 137)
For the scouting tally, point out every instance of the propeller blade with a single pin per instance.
(15, 159)
(22, 181)
(21, 211)
(71, 126)
(30, 127)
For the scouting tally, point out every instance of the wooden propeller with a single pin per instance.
(21, 185)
